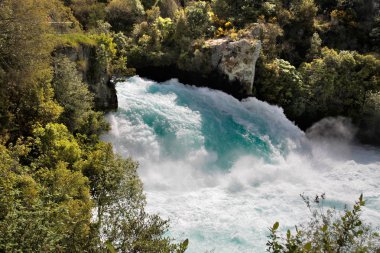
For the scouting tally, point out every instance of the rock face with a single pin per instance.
(234, 60)
(94, 74)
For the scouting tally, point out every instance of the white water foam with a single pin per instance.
(174, 131)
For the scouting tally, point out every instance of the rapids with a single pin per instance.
(223, 171)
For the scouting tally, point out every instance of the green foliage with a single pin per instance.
(43, 212)
(77, 101)
(375, 34)
(53, 176)
(304, 10)
(74, 40)
(111, 53)
(340, 82)
(118, 193)
(88, 12)
(107, 172)
(48, 205)
(198, 19)
(350, 25)
(152, 40)
(55, 143)
(181, 35)
(269, 33)
(168, 8)
(238, 12)
(315, 47)
(166, 26)
(71, 93)
(327, 231)
(25, 67)
(279, 82)
(69, 192)
(106, 50)
(299, 30)
(370, 119)
(148, 4)
(61, 18)
(122, 14)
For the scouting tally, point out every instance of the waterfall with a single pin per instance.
(224, 170)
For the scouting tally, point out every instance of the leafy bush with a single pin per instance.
(71, 93)
(340, 82)
(121, 221)
(279, 82)
(298, 31)
(238, 12)
(327, 231)
(168, 8)
(42, 209)
(153, 41)
(88, 12)
(198, 19)
(122, 14)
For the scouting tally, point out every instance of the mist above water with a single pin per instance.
(223, 171)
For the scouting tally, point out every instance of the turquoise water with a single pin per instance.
(223, 171)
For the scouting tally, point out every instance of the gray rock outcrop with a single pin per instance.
(236, 60)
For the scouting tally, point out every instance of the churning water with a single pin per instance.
(223, 171)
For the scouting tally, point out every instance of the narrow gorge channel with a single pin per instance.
(223, 171)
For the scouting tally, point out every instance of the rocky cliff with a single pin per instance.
(94, 74)
(223, 64)
(233, 60)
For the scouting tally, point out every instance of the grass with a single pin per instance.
(75, 39)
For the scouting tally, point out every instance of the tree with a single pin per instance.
(238, 12)
(375, 34)
(315, 47)
(340, 82)
(118, 194)
(299, 31)
(88, 12)
(153, 41)
(27, 96)
(280, 83)
(198, 19)
(54, 143)
(122, 14)
(53, 175)
(71, 93)
(168, 8)
(47, 211)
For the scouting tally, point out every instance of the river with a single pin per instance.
(224, 170)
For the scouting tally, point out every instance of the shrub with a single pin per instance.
(327, 231)
(340, 82)
(279, 82)
(122, 14)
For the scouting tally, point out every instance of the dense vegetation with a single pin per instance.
(61, 188)
(64, 190)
